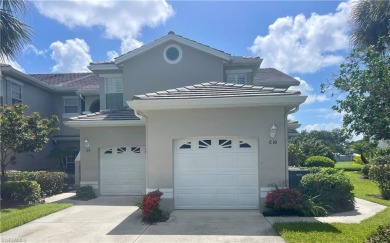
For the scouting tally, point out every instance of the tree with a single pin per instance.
(14, 34)
(370, 20)
(22, 133)
(364, 148)
(364, 83)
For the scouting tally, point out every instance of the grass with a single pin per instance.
(337, 232)
(13, 217)
(348, 166)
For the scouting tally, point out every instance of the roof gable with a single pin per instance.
(177, 38)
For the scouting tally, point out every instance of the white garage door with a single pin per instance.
(216, 173)
(122, 170)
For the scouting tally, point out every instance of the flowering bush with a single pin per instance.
(284, 200)
(150, 206)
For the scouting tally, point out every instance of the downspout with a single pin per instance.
(141, 115)
(293, 110)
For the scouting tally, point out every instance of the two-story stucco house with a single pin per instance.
(64, 95)
(207, 128)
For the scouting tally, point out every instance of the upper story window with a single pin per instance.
(114, 92)
(16, 93)
(237, 76)
(173, 54)
(71, 105)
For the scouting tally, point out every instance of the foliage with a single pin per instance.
(295, 155)
(364, 148)
(150, 206)
(340, 232)
(50, 182)
(14, 33)
(370, 23)
(382, 159)
(13, 217)
(22, 133)
(348, 166)
(333, 188)
(382, 235)
(363, 82)
(288, 199)
(311, 207)
(324, 143)
(85, 192)
(319, 161)
(21, 191)
(365, 171)
(381, 174)
(358, 159)
(382, 152)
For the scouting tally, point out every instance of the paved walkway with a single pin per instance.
(363, 210)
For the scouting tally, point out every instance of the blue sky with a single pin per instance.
(305, 39)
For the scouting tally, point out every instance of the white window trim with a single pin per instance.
(180, 54)
(12, 81)
(231, 71)
(68, 115)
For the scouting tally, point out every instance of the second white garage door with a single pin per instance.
(122, 170)
(216, 173)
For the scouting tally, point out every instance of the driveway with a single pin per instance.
(116, 219)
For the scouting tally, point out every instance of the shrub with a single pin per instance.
(381, 174)
(365, 170)
(357, 159)
(21, 191)
(85, 192)
(382, 235)
(319, 161)
(315, 170)
(50, 182)
(311, 207)
(288, 200)
(333, 188)
(382, 159)
(150, 206)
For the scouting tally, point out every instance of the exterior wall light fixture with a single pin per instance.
(87, 145)
(273, 131)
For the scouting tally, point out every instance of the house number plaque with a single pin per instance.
(272, 142)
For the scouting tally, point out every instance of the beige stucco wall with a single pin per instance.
(103, 137)
(149, 72)
(163, 127)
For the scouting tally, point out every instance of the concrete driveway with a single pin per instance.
(111, 219)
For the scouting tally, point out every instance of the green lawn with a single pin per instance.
(348, 166)
(13, 217)
(336, 232)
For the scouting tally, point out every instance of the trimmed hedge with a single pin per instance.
(331, 188)
(21, 191)
(319, 161)
(50, 182)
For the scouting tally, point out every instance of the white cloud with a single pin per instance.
(111, 55)
(305, 45)
(322, 126)
(13, 63)
(307, 89)
(71, 56)
(121, 20)
(32, 49)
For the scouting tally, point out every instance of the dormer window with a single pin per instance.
(237, 76)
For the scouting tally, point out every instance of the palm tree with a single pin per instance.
(14, 34)
(370, 21)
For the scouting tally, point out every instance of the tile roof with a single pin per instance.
(84, 81)
(216, 90)
(273, 77)
(109, 115)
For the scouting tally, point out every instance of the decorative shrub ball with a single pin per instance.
(319, 161)
(284, 200)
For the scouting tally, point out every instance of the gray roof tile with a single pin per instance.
(109, 115)
(85, 81)
(215, 90)
(273, 77)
